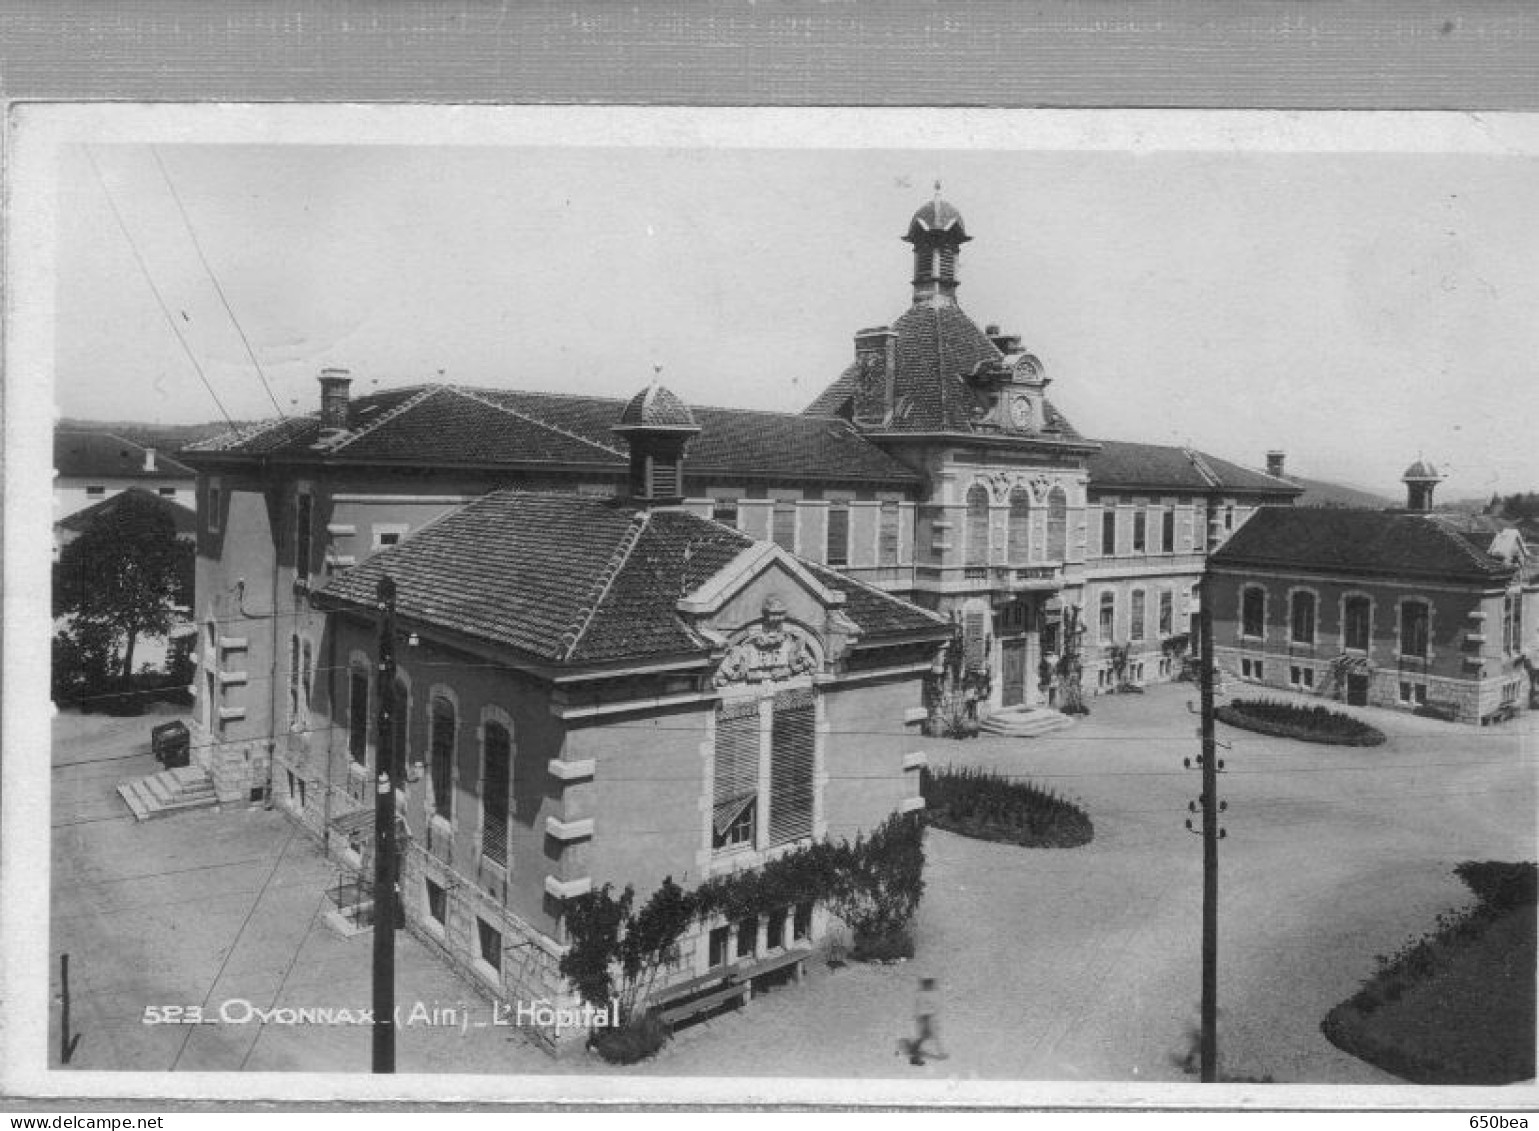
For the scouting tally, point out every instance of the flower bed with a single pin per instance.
(1457, 1005)
(989, 806)
(1307, 724)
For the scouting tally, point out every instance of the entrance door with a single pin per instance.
(1013, 660)
(1357, 691)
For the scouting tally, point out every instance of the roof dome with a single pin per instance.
(655, 408)
(1421, 470)
(938, 216)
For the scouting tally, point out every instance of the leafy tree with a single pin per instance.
(121, 577)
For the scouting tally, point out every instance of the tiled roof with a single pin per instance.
(656, 407)
(574, 580)
(936, 345)
(1330, 541)
(101, 455)
(184, 519)
(1124, 464)
(444, 425)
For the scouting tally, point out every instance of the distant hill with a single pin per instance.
(1318, 493)
(163, 437)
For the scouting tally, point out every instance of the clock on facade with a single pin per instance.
(1020, 412)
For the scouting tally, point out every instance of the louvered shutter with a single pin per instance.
(973, 631)
(494, 795)
(1020, 526)
(977, 527)
(737, 762)
(793, 743)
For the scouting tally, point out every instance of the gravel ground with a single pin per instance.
(1054, 965)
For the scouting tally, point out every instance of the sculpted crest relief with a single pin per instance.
(772, 651)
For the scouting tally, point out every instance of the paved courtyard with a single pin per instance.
(1075, 965)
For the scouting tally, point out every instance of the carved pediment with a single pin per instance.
(771, 650)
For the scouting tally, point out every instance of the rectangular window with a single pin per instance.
(724, 511)
(1108, 622)
(736, 789)
(838, 535)
(1413, 629)
(442, 722)
(1168, 531)
(784, 530)
(1167, 613)
(358, 717)
(1137, 616)
(1303, 618)
(747, 936)
(1228, 519)
(775, 929)
(1108, 532)
(801, 926)
(1413, 694)
(1140, 530)
(302, 524)
(719, 945)
(495, 782)
(1309, 678)
(306, 671)
(491, 944)
(389, 534)
(887, 535)
(1358, 614)
(215, 501)
(793, 743)
(1295, 676)
(167, 492)
(438, 903)
(293, 680)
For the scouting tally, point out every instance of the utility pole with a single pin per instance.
(1211, 765)
(387, 782)
(1210, 830)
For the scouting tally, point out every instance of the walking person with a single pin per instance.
(926, 1023)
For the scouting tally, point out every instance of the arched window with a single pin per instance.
(1108, 622)
(442, 725)
(1253, 612)
(358, 715)
(496, 780)
(977, 525)
(1057, 525)
(1357, 623)
(1415, 619)
(1020, 525)
(1303, 617)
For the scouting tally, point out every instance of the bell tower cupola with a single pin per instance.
(657, 426)
(937, 234)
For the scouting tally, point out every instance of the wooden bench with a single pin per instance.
(795, 960)
(688, 1000)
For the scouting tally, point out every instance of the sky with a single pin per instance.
(1354, 309)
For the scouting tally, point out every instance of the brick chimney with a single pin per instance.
(876, 353)
(334, 386)
(1274, 464)
(149, 459)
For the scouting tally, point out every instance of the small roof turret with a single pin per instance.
(656, 409)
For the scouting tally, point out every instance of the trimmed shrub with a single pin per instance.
(1456, 1005)
(989, 806)
(633, 1042)
(1307, 724)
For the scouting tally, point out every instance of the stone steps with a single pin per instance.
(170, 791)
(1025, 722)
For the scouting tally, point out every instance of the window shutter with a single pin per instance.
(665, 478)
(973, 631)
(793, 743)
(977, 527)
(494, 794)
(1020, 525)
(737, 762)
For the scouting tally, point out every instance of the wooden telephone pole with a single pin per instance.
(386, 784)
(1210, 829)
(1210, 764)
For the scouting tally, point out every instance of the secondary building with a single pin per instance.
(1411, 609)
(606, 690)
(90, 467)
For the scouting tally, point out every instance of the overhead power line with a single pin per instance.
(198, 246)
(150, 280)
